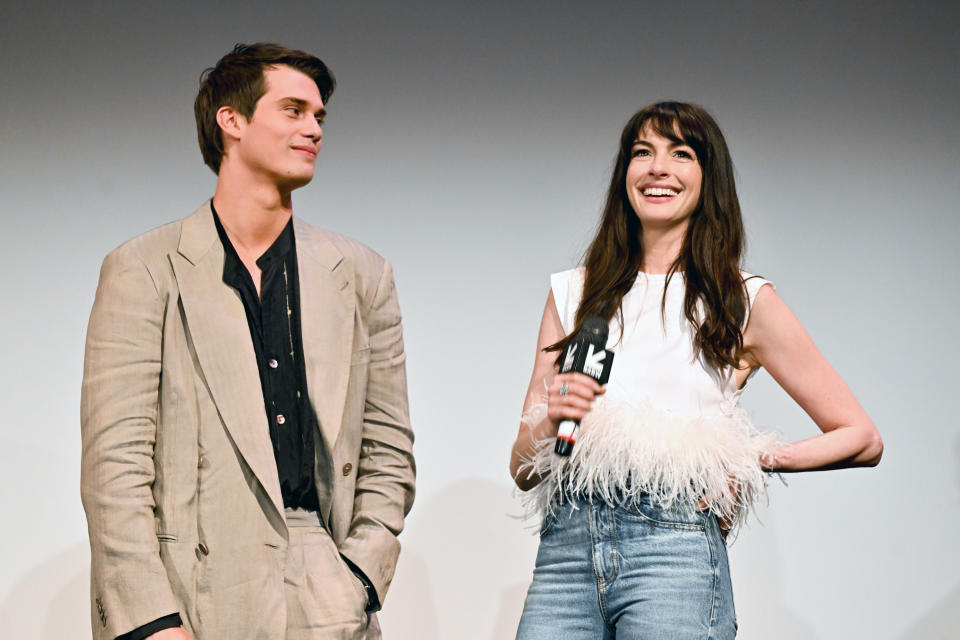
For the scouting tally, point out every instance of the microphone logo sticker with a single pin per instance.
(593, 366)
(568, 359)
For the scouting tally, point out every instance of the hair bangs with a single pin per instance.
(675, 121)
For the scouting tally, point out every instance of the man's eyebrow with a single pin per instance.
(303, 104)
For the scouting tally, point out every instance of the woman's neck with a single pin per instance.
(661, 247)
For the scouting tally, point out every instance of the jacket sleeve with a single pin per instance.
(386, 471)
(118, 420)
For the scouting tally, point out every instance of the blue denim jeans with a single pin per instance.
(636, 572)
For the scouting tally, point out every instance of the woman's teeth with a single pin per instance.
(659, 191)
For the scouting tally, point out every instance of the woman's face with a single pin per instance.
(663, 180)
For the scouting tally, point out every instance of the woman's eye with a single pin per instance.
(640, 153)
(681, 153)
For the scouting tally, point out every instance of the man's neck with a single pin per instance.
(252, 214)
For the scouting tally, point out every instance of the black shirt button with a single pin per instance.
(281, 418)
(273, 363)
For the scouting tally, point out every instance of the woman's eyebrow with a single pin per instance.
(673, 143)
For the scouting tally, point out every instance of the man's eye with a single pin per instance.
(320, 121)
(293, 111)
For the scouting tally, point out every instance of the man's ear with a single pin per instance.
(230, 122)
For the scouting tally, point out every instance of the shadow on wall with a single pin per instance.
(51, 601)
(762, 610)
(943, 619)
(465, 566)
(940, 623)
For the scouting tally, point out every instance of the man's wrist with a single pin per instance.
(373, 601)
(166, 622)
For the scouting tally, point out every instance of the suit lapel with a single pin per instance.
(327, 307)
(218, 328)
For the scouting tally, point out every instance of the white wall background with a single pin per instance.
(471, 145)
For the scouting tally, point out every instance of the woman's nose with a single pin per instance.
(658, 166)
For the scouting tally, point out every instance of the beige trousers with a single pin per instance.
(325, 600)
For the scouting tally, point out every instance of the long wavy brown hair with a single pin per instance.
(715, 302)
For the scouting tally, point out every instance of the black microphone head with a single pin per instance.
(596, 326)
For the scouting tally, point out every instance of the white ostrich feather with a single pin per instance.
(625, 450)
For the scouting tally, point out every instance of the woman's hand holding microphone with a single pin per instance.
(570, 397)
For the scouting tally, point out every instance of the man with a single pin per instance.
(247, 453)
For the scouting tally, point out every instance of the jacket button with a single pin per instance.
(200, 462)
(202, 551)
(347, 468)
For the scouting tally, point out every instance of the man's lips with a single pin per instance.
(306, 150)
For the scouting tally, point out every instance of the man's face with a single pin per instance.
(281, 140)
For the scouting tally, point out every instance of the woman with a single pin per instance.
(634, 521)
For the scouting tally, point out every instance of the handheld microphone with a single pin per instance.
(586, 354)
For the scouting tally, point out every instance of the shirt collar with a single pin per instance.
(280, 248)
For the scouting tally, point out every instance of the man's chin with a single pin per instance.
(296, 181)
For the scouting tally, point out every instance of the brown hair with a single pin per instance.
(237, 81)
(715, 301)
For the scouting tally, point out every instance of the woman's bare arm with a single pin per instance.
(775, 340)
(581, 390)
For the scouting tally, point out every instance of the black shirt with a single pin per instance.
(274, 320)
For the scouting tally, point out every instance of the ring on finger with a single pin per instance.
(564, 389)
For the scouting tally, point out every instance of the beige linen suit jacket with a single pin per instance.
(178, 477)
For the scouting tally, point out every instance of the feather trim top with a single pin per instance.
(625, 450)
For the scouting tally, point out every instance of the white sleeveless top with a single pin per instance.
(669, 425)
